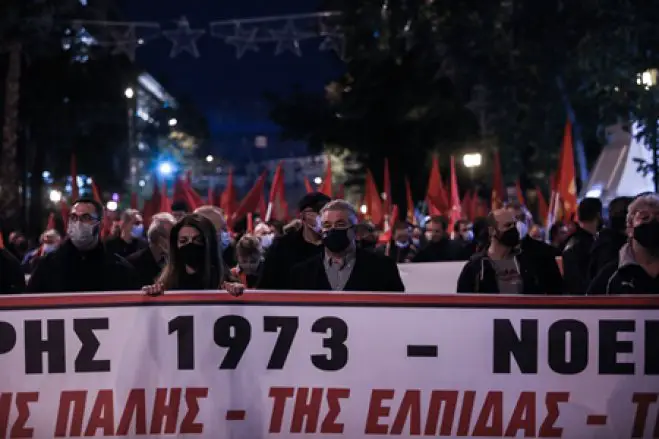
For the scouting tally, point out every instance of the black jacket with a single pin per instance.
(479, 276)
(623, 276)
(543, 256)
(145, 265)
(605, 249)
(371, 272)
(12, 280)
(117, 246)
(67, 270)
(285, 252)
(576, 261)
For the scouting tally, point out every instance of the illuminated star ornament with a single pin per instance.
(184, 39)
(335, 41)
(243, 40)
(125, 43)
(288, 39)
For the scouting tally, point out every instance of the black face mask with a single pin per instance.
(336, 240)
(509, 238)
(647, 234)
(193, 255)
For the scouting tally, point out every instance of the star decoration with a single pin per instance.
(288, 39)
(184, 39)
(125, 43)
(334, 41)
(243, 40)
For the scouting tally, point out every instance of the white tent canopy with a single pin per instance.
(615, 173)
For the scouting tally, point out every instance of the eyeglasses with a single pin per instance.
(85, 218)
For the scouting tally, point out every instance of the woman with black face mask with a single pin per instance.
(194, 261)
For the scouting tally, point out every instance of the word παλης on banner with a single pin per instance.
(326, 365)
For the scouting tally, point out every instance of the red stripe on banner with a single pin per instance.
(329, 299)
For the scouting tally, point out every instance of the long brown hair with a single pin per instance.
(213, 271)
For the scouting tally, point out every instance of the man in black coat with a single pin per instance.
(295, 246)
(149, 262)
(576, 255)
(542, 255)
(342, 266)
(81, 263)
(609, 240)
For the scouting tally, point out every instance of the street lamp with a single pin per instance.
(129, 93)
(209, 158)
(165, 168)
(363, 209)
(55, 196)
(112, 206)
(648, 79)
(173, 122)
(473, 160)
(318, 180)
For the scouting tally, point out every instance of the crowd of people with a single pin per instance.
(328, 248)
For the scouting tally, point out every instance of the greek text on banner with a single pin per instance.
(278, 365)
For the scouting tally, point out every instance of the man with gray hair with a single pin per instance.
(342, 266)
(148, 262)
(637, 271)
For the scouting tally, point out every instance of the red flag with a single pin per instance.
(543, 209)
(566, 182)
(96, 194)
(64, 213)
(165, 202)
(498, 188)
(372, 200)
(133, 200)
(193, 196)
(341, 194)
(467, 206)
(411, 218)
(307, 185)
(456, 207)
(436, 194)
(250, 223)
(74, 179)
(184, 195)
(387, 188)
(2, 240)
(228, 199)
(326, 186)
(520, 194)
(387, 235)
(253, 199)
(277, 206)
(50, 225)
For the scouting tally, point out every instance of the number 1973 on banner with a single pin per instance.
(234, 333)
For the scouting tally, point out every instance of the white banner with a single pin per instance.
(290, 365)
(431, 277)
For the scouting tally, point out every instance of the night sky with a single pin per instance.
(227, 90)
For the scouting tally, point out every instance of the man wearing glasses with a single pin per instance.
(81, 263)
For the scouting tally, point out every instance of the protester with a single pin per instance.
(150, 261)
(276, 227)
(503, 267)
(131, 235)
(263, 232)
(464, 239)
(611, 238)
(12, 280)
(216, 216)
(542, 254)
(249, 253)
(576, 255)
(194, 261)
(439, 248)
(48, 242)
(637, 269)
(342, 266)
(400, 247)
(180, 209)
(17, 245)
(81, 263)
(366, 237)
(295, 246)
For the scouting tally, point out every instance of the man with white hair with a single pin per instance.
(149, 262)
(637, 271)
(342, 266)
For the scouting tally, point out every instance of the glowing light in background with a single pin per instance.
(55, 196)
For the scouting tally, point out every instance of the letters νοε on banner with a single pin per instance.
(353, 367)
